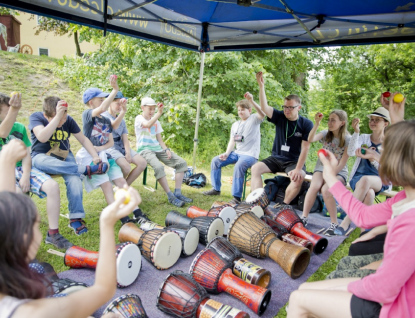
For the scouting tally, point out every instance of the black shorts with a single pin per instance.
(276, 165)
(362, 308)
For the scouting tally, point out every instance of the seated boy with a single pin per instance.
(98, 130)
(246, 135)
(152, 148)
(121, 152)
(28, 179)
(51, 154)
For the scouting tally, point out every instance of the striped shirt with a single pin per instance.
(146, 137)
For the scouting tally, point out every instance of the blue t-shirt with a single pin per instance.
(97, 129)
(117, 133)
(298, 131)
(61, 135)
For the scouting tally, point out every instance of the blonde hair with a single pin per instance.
(342, 130)
(244, 104)
(397, 162)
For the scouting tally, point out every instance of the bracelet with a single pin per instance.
(166, 149)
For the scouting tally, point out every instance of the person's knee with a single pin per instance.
(215, 163)
(257, 169)
(181, 165)
(362, 183)
(125, 166)
(51, 188)
(139, 162)
(159, 171)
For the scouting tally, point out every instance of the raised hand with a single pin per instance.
(356, 125)
(114, 83)
(15, 100)
(160, 108)
(318, 117)
(248, 96)
(260, 79)
(396, 110)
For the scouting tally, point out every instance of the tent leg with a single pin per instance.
(199, 100)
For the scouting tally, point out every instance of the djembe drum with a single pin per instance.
(182, 297)
(253, 237)
(66, 286)
(214, 273)
(208, 227)
(161, 248)
(258, 197)
(242, 268)
(188, 234)
(128, 261)
(283, 235)
(127, 306)
(287, 217)
(225, 212)
(244, 207)
(219, 203)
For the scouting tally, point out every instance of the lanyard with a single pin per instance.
(286, 131)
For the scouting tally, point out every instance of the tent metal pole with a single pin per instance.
(199, 100)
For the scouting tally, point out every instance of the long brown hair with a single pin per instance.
(342, 130)
(397, 162)
(18, 214)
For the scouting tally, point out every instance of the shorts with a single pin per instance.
(114, 172)
(155, 160)
(356, 179)
(115, 154)
(276, 165)
(362, 308)
(37, 179)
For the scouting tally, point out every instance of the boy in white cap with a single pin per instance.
(152, 148)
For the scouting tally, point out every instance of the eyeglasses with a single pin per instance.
(289, 107)
(375, 120)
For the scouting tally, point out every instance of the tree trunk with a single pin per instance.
(78, 48)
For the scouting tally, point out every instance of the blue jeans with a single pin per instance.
(70, 173)
(242, 164)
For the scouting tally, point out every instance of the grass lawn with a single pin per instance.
(34, 77)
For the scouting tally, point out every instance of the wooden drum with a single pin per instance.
(127, 306)
(258, 197)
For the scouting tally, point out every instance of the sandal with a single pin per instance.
(100, 168)
(78, 226)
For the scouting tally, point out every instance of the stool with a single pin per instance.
(246, 176)
(145, 177)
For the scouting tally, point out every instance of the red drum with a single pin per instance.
(214, 273)
(258, 197)
(176, 218)
(284, 236)
(195, 212)
(287, 217)
(160, 247)
(127, 306)
(128, 261)
(242, 268)
(225, 212)
(208, 228)
(182, 297)
(189, 236)
(244, 207)
(254, 237)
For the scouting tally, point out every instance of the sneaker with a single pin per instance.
(100, 168)
(78, 226)
(341, 231)
(58, 241)
(305, 220)
(211, 192)
(183, 198)
(175, 201)
(331, 230)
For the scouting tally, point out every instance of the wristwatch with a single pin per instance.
(166, 149)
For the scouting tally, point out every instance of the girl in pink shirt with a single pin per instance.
(389, 291)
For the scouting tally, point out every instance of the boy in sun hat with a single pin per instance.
(151, 147)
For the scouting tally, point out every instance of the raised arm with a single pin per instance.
(312, 136)
(107, 102)
(43, 133)
(150, 123)
(268, 110)
(248, 96)
(356, 139)
(7, 124)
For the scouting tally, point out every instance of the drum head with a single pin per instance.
(167, 250)
(191, 241)
(216, 228)
(254, 195)
(257, 210)
(227, 215)
(66, 286)
(128, 264)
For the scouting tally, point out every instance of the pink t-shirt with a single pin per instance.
(393, 284)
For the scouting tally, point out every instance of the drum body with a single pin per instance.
(128, 263)
(244, 207)
(66, 286)
(161, 248)
(219, 203)
(226, 213)
(180, 295)
(127, 306)
(78, 257)
(258, 197)
(189, 236)
(195, 212)
(129, 232)
(176, 218)
(214, 273)
(287, 217)
(208, 228)
(210, 308)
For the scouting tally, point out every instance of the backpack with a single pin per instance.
(197, 180)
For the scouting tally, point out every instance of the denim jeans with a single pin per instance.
(242, 164)
(70, 173)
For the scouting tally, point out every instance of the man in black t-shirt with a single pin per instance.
(290, 148)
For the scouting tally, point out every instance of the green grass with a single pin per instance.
(34, 77)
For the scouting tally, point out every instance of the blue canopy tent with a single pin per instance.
(224, 25)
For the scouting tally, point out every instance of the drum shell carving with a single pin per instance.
(127, 306)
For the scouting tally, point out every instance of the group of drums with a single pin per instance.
(252, 227)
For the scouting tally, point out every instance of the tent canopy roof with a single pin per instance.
(223, 25)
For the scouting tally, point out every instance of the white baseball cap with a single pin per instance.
(148, 101)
